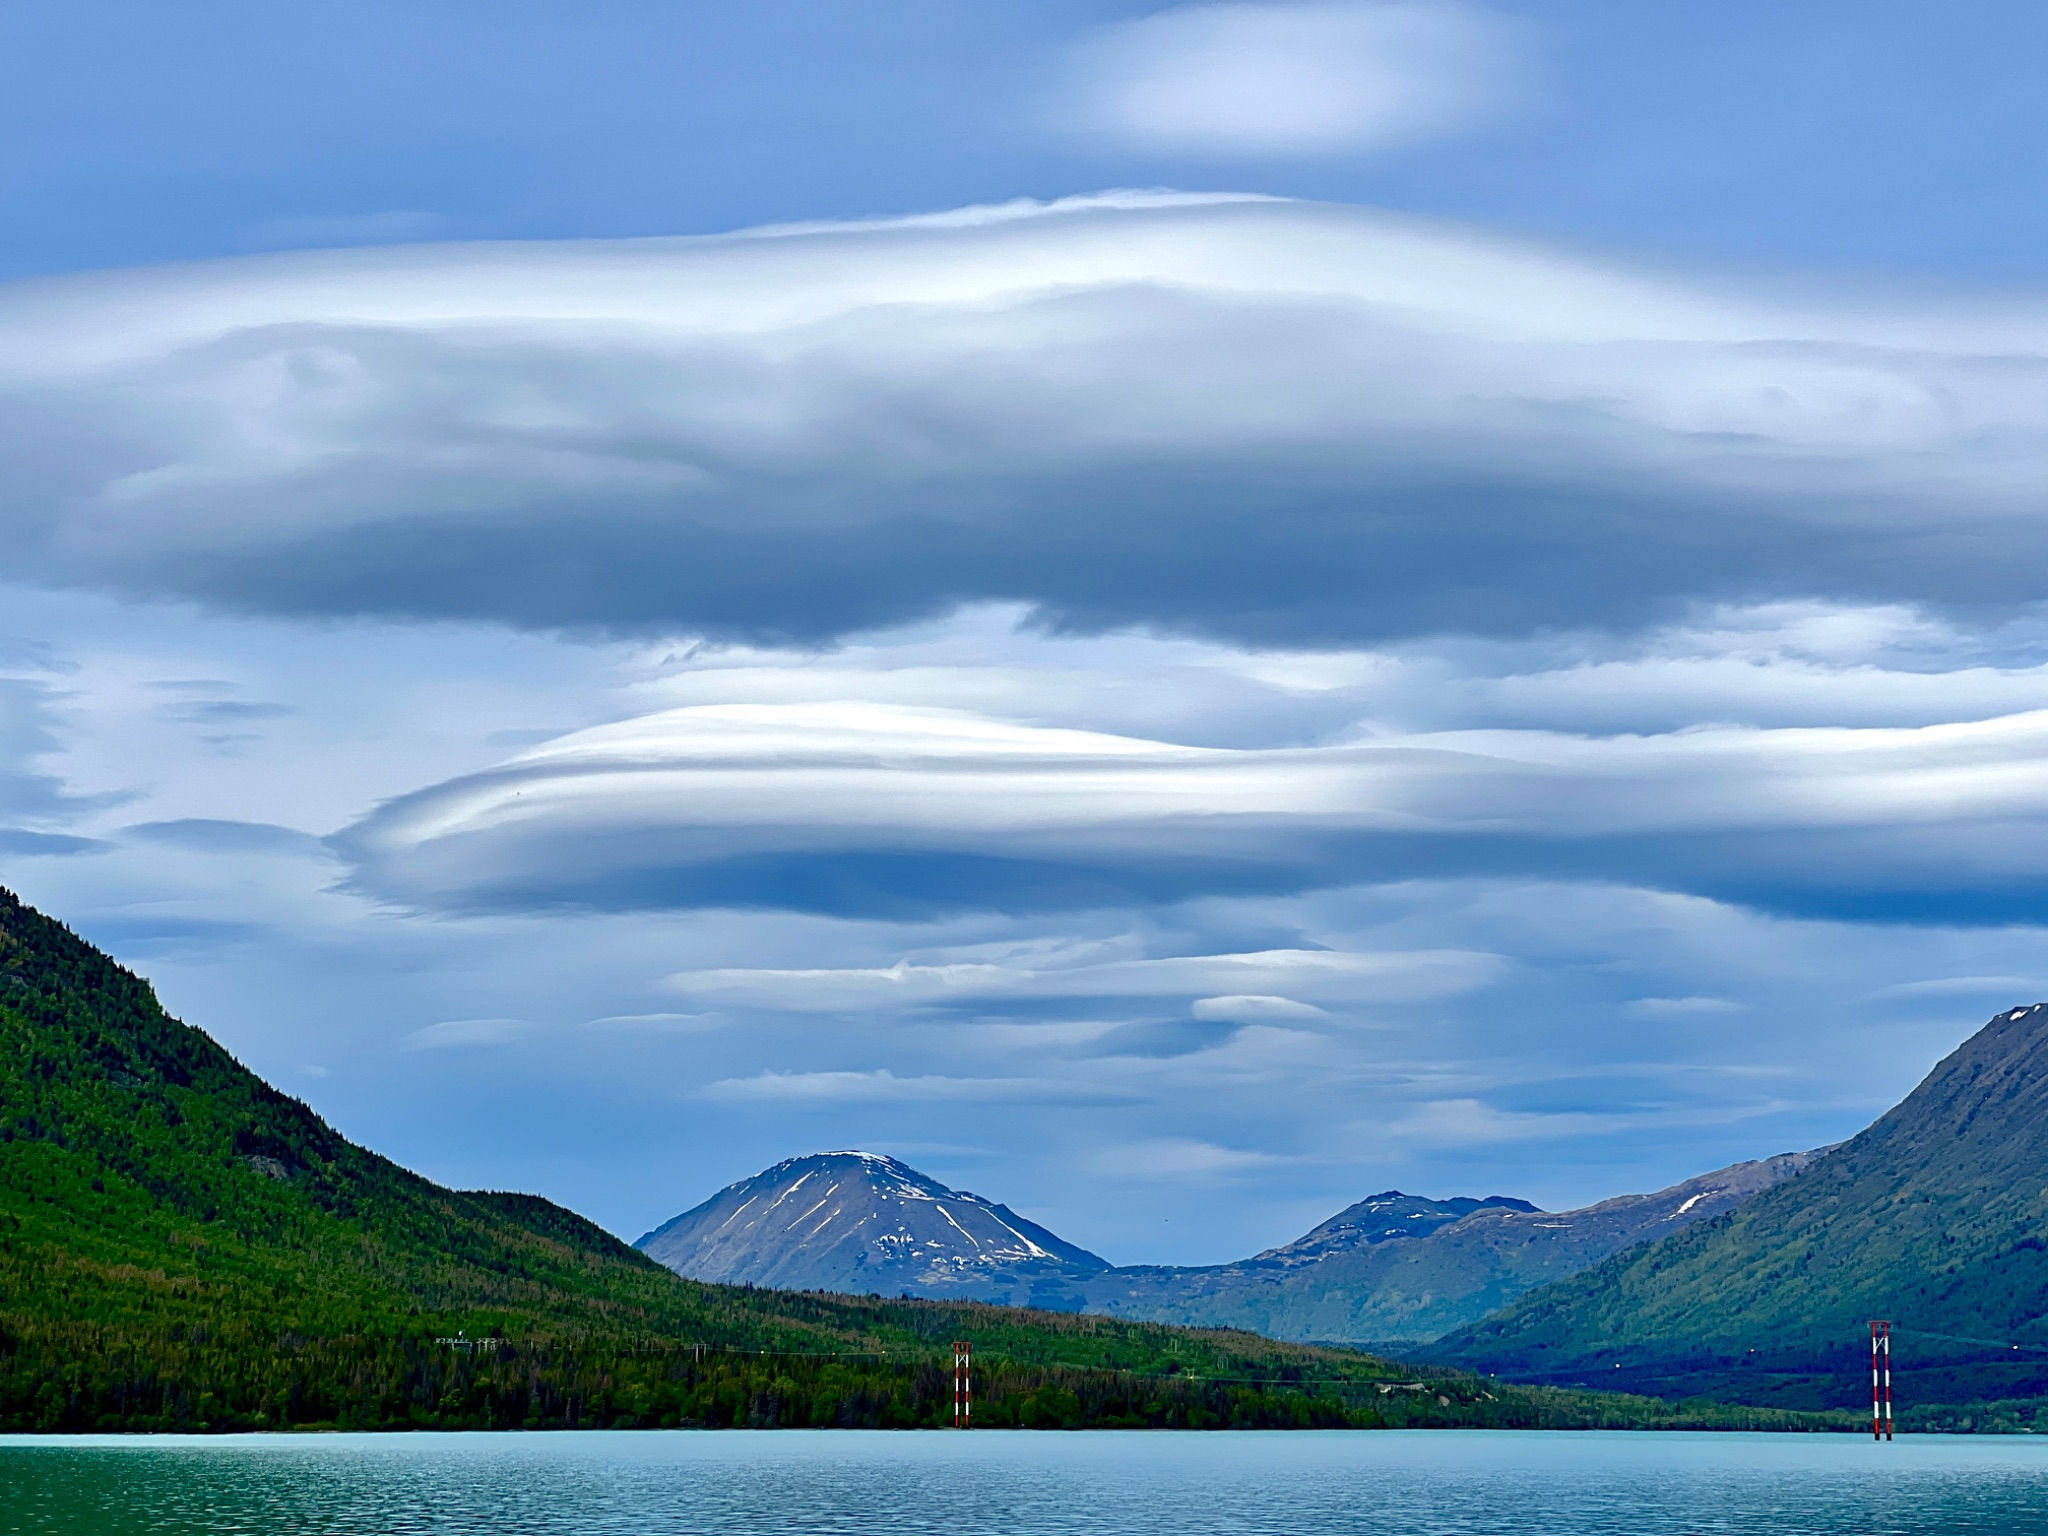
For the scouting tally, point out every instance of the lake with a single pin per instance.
(848, 1483)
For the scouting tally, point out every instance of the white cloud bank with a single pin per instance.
(1297, 423)
(1279, 79)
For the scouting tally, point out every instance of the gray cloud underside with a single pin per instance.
(198, 834)
(35, 805)
(1283, 422)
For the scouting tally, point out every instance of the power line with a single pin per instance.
(1956, 1338)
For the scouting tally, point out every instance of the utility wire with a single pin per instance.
(1956, 1338)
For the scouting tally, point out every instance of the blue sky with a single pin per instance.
(1233, 607)
(1892, 136)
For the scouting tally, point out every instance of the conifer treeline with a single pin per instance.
(79, 1377)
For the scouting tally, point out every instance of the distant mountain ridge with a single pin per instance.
(1380, 1218)
(1400, 1294)
(861, 1222)
(1935, 1217)
(1392, 1269)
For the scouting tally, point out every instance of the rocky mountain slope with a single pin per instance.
(1936, 1218)
(1392, 1270)
(861, 1222)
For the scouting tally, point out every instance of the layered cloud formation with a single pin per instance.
(1268, 420)
(871, 809)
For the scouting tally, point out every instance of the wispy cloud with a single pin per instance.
(457, 1034)
(1679, 1007)
(661, 1023)
(1331, 975)
(1473, 1122)
(2014, 987)
(202, 834)
(1180, 1157)
(1254, 1007)
(1248, 80)
(884, 1086)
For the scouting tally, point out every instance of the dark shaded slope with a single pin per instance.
(1935, 1217)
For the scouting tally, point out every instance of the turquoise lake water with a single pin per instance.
(831, 1483)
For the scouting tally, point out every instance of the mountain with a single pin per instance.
(1367, 1276)
(184, 1247)
(861, 1222)
(1386, 1217)
(1936, 1217)
(1394, 1269)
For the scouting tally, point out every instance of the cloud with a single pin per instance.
(1290, 423)
(199, 834)
(1468, 1122)
(1332, 975)
(1253, 1056)
(884, 1086)
(29, 724)
(661, 1023)
(38, 809)
(225, 712)
(850, 807)
(28, 844)
(455, 1034)
(1180, 1157)
(886, 810)
(1679, 1007)
(1965, 986)
(1289, 79)
(1254, 1008)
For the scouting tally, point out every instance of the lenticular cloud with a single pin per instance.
(883, 810)
(1268, 420)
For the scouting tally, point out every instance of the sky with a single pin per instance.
(1178, 616)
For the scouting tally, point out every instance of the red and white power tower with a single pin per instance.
(963, 1385)
(1880, 1379)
